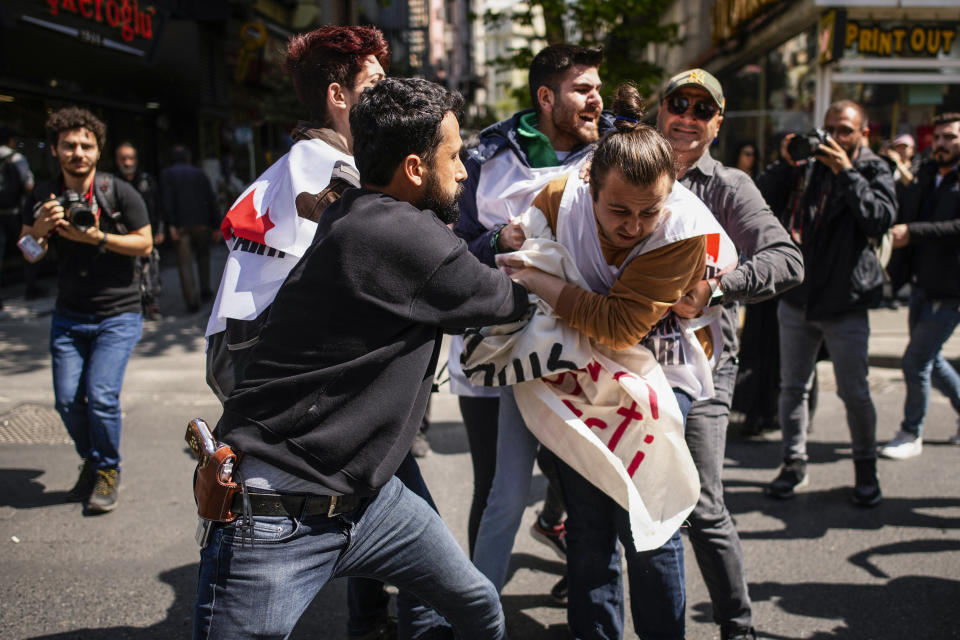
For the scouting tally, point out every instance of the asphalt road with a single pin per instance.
(818, 567)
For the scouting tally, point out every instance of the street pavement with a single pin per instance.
(818, 567)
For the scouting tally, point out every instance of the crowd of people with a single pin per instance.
(385, 232)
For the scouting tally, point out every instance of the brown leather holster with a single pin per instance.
(214, 496)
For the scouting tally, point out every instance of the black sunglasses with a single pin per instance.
(702, 109)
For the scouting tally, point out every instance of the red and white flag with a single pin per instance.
(265, 235)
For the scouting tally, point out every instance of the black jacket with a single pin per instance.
(337, 386)
(834, 215)
(187, 198)
(931, 261)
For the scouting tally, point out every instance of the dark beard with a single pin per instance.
(947, 161)
(445, 207)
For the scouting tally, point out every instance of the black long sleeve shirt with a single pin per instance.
(337, 386)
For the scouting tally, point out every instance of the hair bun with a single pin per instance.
(627, 107)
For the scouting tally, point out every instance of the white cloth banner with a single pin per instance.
(610, 415)
(265, 235)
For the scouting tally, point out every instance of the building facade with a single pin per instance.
(783, 62)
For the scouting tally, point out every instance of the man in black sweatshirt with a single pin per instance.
(323, 423)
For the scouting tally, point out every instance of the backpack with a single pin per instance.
(148, 267)
(11, 186)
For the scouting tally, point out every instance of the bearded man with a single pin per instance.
(512, 162)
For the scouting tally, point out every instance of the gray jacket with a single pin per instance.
(770, 263)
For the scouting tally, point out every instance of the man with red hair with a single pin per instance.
(270, 226)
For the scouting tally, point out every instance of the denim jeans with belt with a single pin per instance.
(846, 336)
(932, 322)
(367, 601)
(595, 602)
(89, 357)
(261, 590)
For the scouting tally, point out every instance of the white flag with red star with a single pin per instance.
(265, 235)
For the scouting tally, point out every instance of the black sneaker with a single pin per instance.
(104, 496)
(739, 633)
(559, 592)
(793, 475)
(386, 629)
(553, 536)
(84, 485)
(866, 492)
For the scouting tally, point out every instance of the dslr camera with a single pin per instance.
(803, 146)
(75, 210)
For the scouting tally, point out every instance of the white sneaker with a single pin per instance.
(904, 445)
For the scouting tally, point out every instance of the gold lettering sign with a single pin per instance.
(901, 40)
(730, 15)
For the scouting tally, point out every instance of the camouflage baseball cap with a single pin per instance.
(700, 78)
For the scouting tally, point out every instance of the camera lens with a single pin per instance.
(81, 216)
(800, 147)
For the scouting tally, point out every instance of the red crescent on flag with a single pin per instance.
(243, 221)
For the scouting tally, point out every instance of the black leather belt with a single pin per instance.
(295, 506)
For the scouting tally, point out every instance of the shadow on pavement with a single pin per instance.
(766, 454)
(521, 625)
(865, 559)
(907, 607)
(556, 568)
(324, 618)
(26, 346)
(448, 438)
(813, 514)
(178, 623)
(19, 489)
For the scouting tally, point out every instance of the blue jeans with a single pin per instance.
(516, 453)
(595, 522)
(261, 590)
(367, 601)
(846, 336)
(89, 359)
(932, 322)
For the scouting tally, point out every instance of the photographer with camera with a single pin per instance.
(99, 226)
(836, 197)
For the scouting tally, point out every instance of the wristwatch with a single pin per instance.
(102, 245)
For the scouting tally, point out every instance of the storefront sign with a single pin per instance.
(899, 40)
(730, 15)
(127, 26)
(829, 45)
(124, 16)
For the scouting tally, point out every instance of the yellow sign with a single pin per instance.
(730, 15)
(902, 40)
